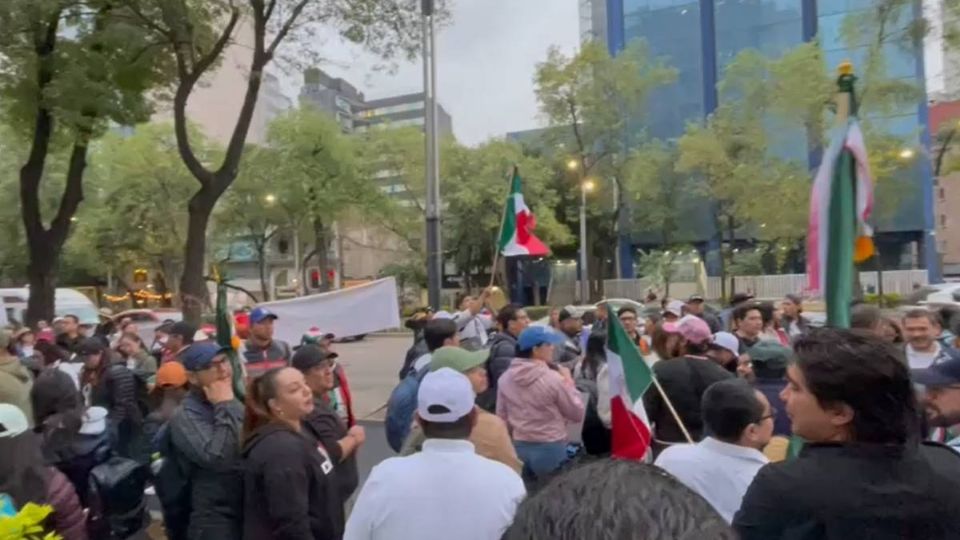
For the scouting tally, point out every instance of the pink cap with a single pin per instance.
(694, 329)
(671, 327)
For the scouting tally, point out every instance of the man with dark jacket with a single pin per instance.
(205, 445)
(503, 349)
(863, 473)
(769, 363)
(324, 424)
(571, 325)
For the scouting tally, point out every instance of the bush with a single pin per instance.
(537, 312)
(889, 300)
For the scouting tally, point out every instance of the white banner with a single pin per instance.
(347, 312)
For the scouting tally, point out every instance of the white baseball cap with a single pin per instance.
(445, 396)
(12, 421)
(94, 421)
(728, 341)
(675, 307)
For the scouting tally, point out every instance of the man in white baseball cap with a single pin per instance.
(725, 350)
(446, 490)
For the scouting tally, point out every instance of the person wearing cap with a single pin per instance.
(673, 311)
(446, 490)
(109, 384)
(290, 488)
(684, 380)
(697, 306)
(179, 338)
(415, 323)
(768, 364)
(791, 316)
(489, 435)
(339, 397)
(324, 424)
(474, 325)
(15, 378)
(863, 472)
(512, 320)
(26, 478)
(724, 349)
(203, 439)
(69, 336)
(537, 402)
(941, 400)
(748, 324)
(738, 424)
(568, 352)
(261, 351)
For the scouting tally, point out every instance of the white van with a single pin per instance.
(66, 302)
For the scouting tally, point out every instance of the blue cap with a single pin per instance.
(534, 336)
(199, 356)
(946, 373)
(261, 314)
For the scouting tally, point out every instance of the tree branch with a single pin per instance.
(287, 25)
(72, 192)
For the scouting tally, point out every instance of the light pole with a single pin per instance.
(586, 186)
(434, 254)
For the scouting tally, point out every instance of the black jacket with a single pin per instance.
(503, 349)
(289, 488)
(326, 426)
(418, 349)
(683, 380)
(77, 459)
(834, 491)
(205, 443)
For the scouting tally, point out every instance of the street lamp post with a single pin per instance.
(434, 258)
(586, 185)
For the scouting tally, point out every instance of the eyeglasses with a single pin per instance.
(773, 414)
(625, 319)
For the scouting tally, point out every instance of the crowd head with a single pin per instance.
(440, 333)
(538, 342)
(512, 319)
(649, 503)
(748, 319)
(735, 413)
(278, 395)
(206, 363)
(445, 405)
(921, 328)
(316, 364)
(847, 386)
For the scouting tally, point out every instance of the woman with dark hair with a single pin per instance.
(26, 478)
(111, 385)
(288, 485)
(665, 342)
(137, 359)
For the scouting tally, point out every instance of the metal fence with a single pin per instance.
(773, 286)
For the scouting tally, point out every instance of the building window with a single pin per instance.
(942, 195)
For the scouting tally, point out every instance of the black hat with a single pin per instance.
(184, 330)
(740, 298)
(90, 346)
(309, 357)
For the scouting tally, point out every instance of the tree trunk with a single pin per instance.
(261, 247)
(322, 246)
(193, 285)
(42, 276)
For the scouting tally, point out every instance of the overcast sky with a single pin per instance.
(487, 57)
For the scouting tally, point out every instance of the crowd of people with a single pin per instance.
(763, 426)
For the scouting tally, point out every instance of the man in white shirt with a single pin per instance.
(921, 328)
(446, 490)
(720, 468)
(473, 324)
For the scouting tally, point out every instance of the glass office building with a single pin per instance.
(701, 37)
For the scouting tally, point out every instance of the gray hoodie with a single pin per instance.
(15, 384)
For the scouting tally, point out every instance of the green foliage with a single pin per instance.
(747, 263)
(660, 267)
(890, 300)
(657, 189)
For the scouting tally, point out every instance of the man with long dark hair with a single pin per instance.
(863, 473)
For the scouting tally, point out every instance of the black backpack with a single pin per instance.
(596, 436)
(118, 507)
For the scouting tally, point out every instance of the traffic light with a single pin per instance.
(315, 279)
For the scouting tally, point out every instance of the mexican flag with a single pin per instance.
(839, 235)
(630, 377)
(516, 232)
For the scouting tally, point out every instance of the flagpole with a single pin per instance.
(496, 250)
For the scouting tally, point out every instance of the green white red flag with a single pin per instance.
(630, 377)
(516, 233)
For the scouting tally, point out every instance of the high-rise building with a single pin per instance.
(700, 37)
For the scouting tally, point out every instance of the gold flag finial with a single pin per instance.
(845, 68)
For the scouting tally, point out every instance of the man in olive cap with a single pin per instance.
(489, 434)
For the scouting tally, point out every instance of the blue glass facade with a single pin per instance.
(700, 37)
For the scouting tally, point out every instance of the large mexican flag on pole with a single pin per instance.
(516, 233)
(630, 377)
(839, 235)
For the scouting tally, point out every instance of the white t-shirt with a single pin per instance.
(444, 492)
(922, 360)
(422, 362)
(719, 472)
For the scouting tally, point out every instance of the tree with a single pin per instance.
(195, 33)
(68, 68)
(137, 214)
(596, 102)
(252, 208)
